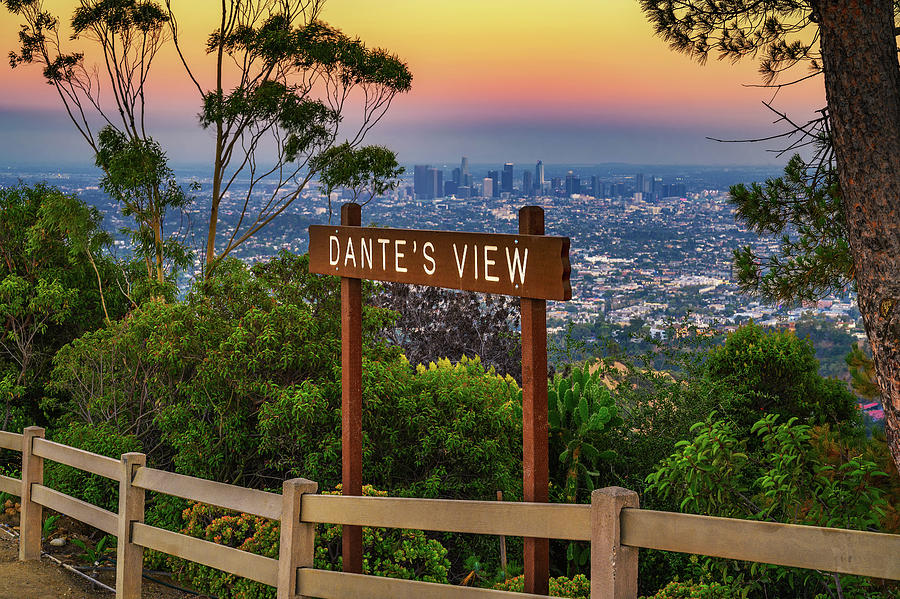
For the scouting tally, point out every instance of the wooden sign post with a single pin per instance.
(351, 398)
(535, 432)
(530, 265)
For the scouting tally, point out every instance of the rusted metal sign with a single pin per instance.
(532, 266)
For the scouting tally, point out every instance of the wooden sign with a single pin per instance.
(532, 266)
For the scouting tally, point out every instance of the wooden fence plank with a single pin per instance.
(11, 441)
(827, 549)
(341, 585)
(78, 458)
(241, 499)
(297, 547)
(10, 485)
(75, 508)
(542, 520)
(129, 555)
(244, 564)
(30, 515)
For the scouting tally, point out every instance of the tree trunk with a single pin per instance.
(862, 86)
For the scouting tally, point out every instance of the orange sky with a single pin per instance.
(494, 63)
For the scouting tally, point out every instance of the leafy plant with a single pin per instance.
(786, 481)
(581, 412)
(99, 553)
(49, 525)
(581, 409)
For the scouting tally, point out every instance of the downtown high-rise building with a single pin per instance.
(506, 184)
(487, 189)
(428, 183)
(539, 174)
(495, 186)
(527, 186)
(573, 184)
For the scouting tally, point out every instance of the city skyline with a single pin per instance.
(489, 79)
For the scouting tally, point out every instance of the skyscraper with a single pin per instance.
(573, 184)
(422, 183)
(487, 189)
(539, 174)
(507, 181)
(495, 186)
(596, 187)
(437, 182)
(527, 188)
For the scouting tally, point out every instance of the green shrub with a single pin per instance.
(406, 554)
(702, 590)
(577, 587)
(102, 439)
(787, 480)
(775, 372)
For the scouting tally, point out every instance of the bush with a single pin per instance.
(703, 590)
(102, 439)
(775, 372)
(788, 480)
(577, 587)
(406, 554)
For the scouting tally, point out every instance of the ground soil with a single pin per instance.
(47, 580)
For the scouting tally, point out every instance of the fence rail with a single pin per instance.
(539, 520)
(11, 441)
(829, 549)
(78, 458)
(75, 508)
(240, 499)
(612, 523)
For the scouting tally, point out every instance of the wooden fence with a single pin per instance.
(613, 524)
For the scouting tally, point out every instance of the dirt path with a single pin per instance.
(47, 580)
(34, 580)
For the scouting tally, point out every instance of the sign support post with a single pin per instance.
(535, 431)
(530, 265)
(351, 398)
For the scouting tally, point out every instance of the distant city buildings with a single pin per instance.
(487, 188)
(506, 184)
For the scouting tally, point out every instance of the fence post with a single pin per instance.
(129, 557)
(298, 538)
(614, 567)
(30, 516)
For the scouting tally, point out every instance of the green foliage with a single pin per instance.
(581, 410)
(138, 177)
(577, 587)
(49, 525)
(774, 31)
(862, 373)
(702, 590)
(394, 553)
(774, 371)
(789, 481)
(369, 169)
(581, 413)
(52, 275)
(813, 259)
(98, 438)
(99, 553)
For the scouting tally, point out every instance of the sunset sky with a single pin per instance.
(578, 81)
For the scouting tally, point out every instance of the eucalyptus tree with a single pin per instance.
(282, 90)
(852, 44)
(106, 102)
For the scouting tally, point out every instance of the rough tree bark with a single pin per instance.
(862, 86)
